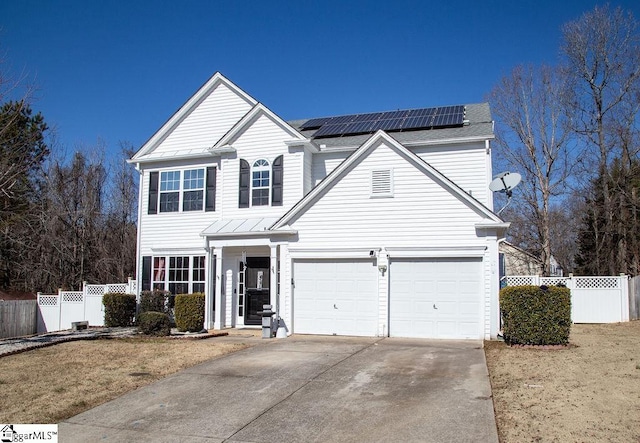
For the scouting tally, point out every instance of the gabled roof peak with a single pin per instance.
(188, 107)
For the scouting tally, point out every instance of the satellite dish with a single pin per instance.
(505, 182)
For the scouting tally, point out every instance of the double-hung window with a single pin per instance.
(260, 183)
(169, 191)
(182, 190)
(193, 190)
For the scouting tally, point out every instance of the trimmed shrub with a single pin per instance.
(119, 309)
(155, 301)
(189, 312)
(154, 323)
(536, 315)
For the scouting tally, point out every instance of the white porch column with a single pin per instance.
(210, 290)
(219, 307)
(492, 254)
(273, 285)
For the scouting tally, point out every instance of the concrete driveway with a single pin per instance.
(309, 389)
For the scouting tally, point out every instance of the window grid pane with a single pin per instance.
(192, 201)
(198, 269)
(159, 272)
(260, 197)
(170, 181)
(260, 179)
(194, 179)
(179, 275)
(169, 201)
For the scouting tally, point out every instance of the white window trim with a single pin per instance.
(268, 168)
(181, 189)
(167, 270)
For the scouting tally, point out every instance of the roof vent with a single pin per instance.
(382, 183)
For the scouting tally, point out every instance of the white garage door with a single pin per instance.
(436, 298)
(335, 297)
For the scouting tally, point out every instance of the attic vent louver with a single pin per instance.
(382, 183)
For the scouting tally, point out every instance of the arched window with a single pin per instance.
(260, 181)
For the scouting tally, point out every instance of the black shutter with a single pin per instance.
(146, 273)
(276, 187)
(245, 175)
(153, 193)
(210, 198)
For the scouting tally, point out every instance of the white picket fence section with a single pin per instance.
(56, 312)
(593, 299)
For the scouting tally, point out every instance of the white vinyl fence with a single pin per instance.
(593, 299)
(56, 312)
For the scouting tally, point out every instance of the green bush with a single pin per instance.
(189, 312)
(155, 301)
(119, 309)
(154, 323)
(533, 315)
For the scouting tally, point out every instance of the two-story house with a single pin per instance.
(375, 224)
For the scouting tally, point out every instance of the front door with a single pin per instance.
(257, 288)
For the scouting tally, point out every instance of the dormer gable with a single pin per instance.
(381, 138)
(258, 111)
(200, 123)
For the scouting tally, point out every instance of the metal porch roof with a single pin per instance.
(239, 226)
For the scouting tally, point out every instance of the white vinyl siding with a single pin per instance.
(423, 212)
(263, 139)
(324, 163)
(201, 129)
(170, 230)
(463, 164)
(307, 172)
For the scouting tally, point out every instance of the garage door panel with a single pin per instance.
(469, 309)
(453, 286)
(342, 301)
(468, 329)
(446, 308)
(447, 329)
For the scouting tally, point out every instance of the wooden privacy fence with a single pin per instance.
(56, 312)
(605, 299)
(18, 318)
(634, 298)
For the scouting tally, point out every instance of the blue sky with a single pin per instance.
(117, 70)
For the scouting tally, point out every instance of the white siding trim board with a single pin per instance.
(436, 252)
(344, 253)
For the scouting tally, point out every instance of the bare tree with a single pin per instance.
(534, 138)
(118, 252)
(602, 55)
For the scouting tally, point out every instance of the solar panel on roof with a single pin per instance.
(404, 120)
(315, 123)
(389, 124)
(330, 130)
